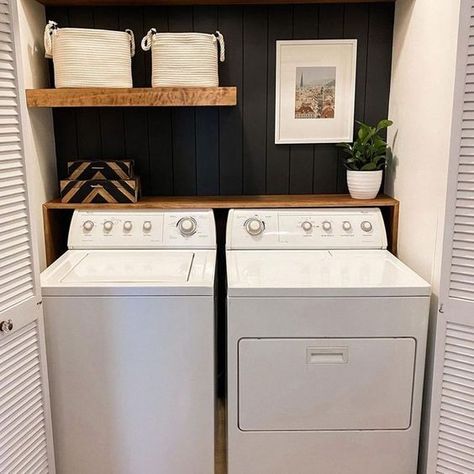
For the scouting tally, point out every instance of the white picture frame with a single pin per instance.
(328, 66)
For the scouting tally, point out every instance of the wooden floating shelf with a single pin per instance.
(229, 202)
(133, 97)
(57, 214)
(194, 2)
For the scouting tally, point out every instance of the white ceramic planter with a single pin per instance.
(364, 184)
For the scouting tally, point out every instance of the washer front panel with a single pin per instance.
(306, 228)
(145, 229)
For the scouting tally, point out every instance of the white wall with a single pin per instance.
(421, 100)
(40, 151)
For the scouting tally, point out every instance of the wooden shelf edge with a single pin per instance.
(228, 202)
(133, 97)
(68, 3)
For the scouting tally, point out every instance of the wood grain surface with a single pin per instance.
(194, 2)
(133, 97)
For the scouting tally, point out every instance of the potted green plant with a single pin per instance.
(366, 159)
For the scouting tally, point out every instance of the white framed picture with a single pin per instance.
(315, 91)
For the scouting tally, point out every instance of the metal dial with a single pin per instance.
(366, 226)
(88, 226)
(346, 225)
(326, 226)
(187, 226)
(147, 226)
(108, 225)
(254, 226)
(127, 226)
(307, 226)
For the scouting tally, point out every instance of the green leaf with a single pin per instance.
(385, 123)
(363, 132)
(369, 167)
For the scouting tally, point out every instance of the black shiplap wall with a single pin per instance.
(231, 150)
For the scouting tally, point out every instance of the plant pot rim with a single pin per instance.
(363, 171)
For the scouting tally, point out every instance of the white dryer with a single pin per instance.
(129, 315)
(326, 345)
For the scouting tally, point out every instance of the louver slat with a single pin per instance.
(22, 418)
(456, 429)
(461, 283)
(16, 276)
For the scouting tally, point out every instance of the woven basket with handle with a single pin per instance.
(90, 58)
(184, 59)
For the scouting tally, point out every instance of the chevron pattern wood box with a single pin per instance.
(100, 191)
(84, 170)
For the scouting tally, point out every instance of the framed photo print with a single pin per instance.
(315, 91)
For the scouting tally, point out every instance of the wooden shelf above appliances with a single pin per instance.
(230, 202)
(68, 3)
(133, 97)
(57, 215)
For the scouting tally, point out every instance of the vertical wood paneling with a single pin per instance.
(180, 19)
(280, 27)
(230, 118)
(379, 60)
(305, 26)
(160, 133)
(255, 99)
(187, 151)
(207, 121)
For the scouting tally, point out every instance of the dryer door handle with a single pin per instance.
(327, 355)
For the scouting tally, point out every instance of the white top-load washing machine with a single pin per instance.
(326, 345)
(129, 313)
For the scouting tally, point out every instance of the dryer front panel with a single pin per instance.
(325, 384)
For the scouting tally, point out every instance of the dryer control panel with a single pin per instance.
(142, 229)
(358, 228)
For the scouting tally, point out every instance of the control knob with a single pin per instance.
(108, 226)
(88, 226)
(147, 226)
(127, 226)
(346, 225)
(307, 226)
(187, 226)
(254, 226)
(326, 226)
(366, 226)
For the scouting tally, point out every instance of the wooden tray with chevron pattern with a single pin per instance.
(84, 170)
(100, 191)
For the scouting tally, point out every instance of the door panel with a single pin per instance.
(451, 442)
(330, 384)
(25, 427)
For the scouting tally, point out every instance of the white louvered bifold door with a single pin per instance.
(451, 443)
(25, 428)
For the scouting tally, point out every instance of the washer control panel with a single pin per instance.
(142, 229)
(306, 228)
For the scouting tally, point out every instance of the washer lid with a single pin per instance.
(131, 267)
(321, 273)
(130, 272)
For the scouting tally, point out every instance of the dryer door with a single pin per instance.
(329, 384)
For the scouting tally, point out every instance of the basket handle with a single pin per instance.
(132, 42)
(220, 38)
(147, 39)
(49, 30)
